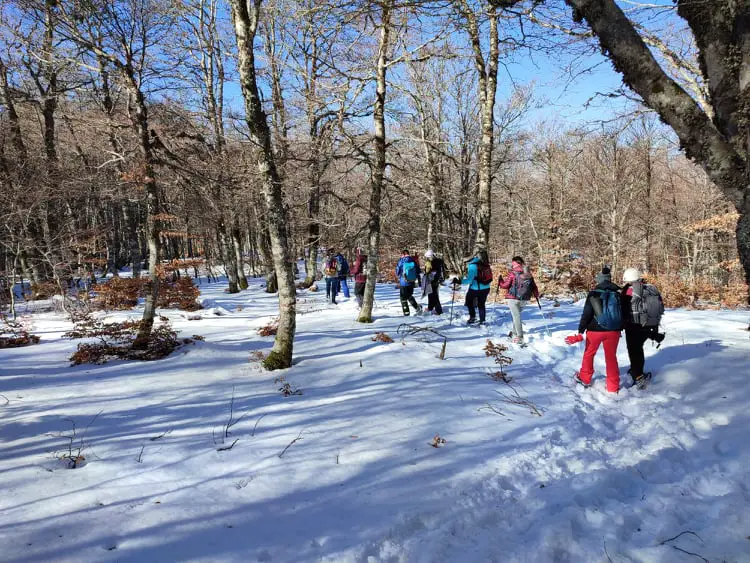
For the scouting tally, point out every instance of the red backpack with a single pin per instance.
(484, 273)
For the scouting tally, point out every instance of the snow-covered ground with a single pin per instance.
(597, 477)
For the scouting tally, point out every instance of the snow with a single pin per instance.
(597, 476)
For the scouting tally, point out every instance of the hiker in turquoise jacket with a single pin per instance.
(476, 295)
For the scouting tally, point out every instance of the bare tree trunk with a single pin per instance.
(379, 164)
(239, 262)
(139, 116)
(228, 256)
(245, 15)
(487, 74)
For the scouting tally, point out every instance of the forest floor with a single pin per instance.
(346, 470)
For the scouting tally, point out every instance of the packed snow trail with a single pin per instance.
(596, 476)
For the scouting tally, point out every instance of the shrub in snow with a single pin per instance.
(382, 337)
(270, 329)
(286, 388)
(115, 341)
(179, 294)
(120, 294)
(14, 334)
(495, 351)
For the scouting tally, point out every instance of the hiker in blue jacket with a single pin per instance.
(478, 278)
(408, 274)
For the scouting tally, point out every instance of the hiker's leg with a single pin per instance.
(334, 289)
(635, 351)
(344, 287)
(412, 300)
(593, 340)
(611, 339)
(481, 300)
(329, 286)
(404, 296)
(435, 296)
(515, 311)
(359, 292)
(471, 297)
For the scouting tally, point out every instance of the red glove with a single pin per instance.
(574, 339)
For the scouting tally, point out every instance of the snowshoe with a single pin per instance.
(579, 381)
(642, 382)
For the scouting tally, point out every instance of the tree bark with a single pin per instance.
(379, 162)
(245, 16)
(721, 145)
(487, 75)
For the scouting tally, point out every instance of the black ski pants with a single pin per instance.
(406, 293)
(635, 338)
(476, 298)
(433, 300)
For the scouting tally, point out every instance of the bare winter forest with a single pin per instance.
(161, 137)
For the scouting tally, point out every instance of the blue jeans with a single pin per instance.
(344, 287)
(332, 288)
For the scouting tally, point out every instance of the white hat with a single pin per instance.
(429, 254)
(631, 275)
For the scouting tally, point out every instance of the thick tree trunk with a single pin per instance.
(228, 257)
(245, 14)
(487, 74)
(720, 145)
(379, 163)
(239, 262)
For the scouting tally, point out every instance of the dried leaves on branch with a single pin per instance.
(114, 340)
(15, 334)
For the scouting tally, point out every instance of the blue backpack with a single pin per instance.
(610, 316)
(409, 271)
(344, 269)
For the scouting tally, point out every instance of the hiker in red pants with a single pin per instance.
(602, 322)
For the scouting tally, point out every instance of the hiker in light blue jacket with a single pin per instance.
(478, 278)
(408, 273)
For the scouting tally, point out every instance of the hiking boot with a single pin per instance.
(471, 321)
(580, 381)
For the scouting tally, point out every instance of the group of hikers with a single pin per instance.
(636, 307)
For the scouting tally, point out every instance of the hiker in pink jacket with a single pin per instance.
(521, 287)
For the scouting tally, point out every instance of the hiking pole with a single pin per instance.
(544, 319)
(453, 300)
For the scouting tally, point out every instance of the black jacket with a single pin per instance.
(437, 266)
(588, 320)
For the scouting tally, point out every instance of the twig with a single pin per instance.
(518, 400)
(139, 459)
(684, 550)
(299, 437)
(682, 534)
(256, 423)
(607, 553)
(491, 408)
(160, 436)
(229, 447)
(691, 553)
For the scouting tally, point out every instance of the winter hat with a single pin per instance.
(631, 275)
(604, 276)
(429, 254)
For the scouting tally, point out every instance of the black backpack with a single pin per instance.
(646, 305)
(522, 287)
